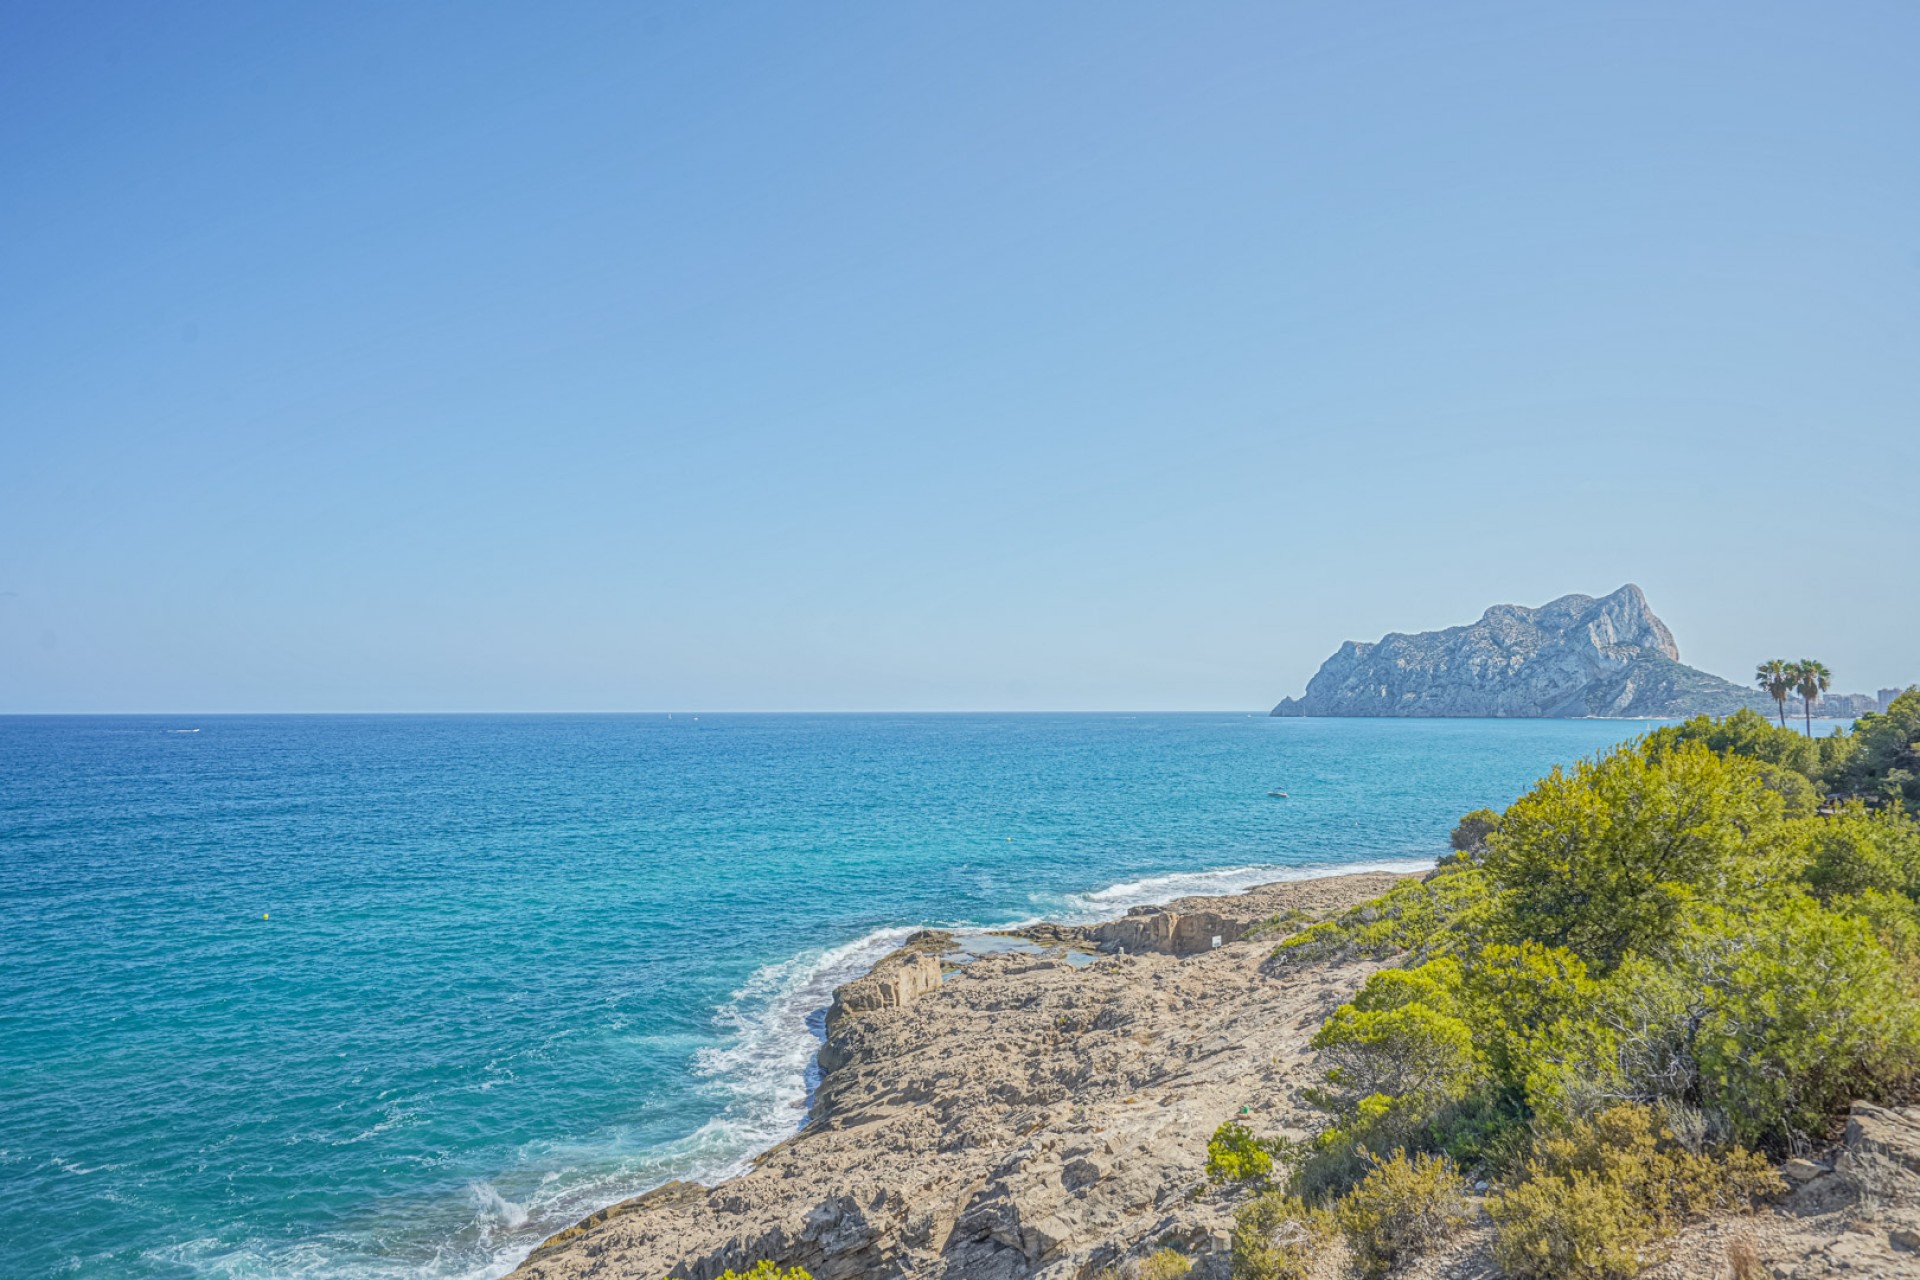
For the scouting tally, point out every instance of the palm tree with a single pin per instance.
(1812, 679)
(1775, 675)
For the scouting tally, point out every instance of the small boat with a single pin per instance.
(1278, 795)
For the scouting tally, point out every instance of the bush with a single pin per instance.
(1235, 1155)
(1393, 1069)
(1400, 1039)
(1520, 1002)
(1799, 1010)
(1596, 1194)
(1163, 1264)
(1895, 921)
(1470, 834)
(1579, 1227)
(1749, 734)
(1650, 926)
(1603, 860)
(1420, 916)
(1884, 760)
(1401, 1208)
(1854, 851)
(766, 1270)
(1276, 1237)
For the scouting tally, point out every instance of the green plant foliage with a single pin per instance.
(1884, 763)
(1575, 1227)
(1163, 1264)
(1470, 834)
(1855, 851)
(1418, 916)
(1277, 1237)
(1595, 1194)
(1878, 761)
(1235, 1155)
(765, 1270)
(1745, 733)
(1602, 860)
(1895, 921)
(1397, 1060)
(1522, 1003)
(1408, 1056)
(1676, 926)
(1400, 1208)
(1799, 1010)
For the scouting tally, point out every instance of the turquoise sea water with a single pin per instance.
(398, 996)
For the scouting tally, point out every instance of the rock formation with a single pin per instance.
(1576, 656)
(1026, 1117)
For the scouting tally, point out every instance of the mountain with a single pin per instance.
(1576, 656)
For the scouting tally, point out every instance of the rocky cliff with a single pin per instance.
(1576, 656)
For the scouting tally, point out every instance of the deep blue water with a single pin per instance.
(384, 996)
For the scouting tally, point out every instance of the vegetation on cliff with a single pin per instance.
(1653, 966)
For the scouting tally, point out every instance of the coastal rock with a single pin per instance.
(894, 983)
(1576, 656)
(1024, 1119)
(1167, 932)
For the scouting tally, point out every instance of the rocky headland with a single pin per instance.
(1043, 1110)
(1576, 656)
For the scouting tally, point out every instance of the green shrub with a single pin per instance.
(1470, 834)
(1396, 1060)
(766, 1270)
(1420, 916)
(1745, 733)
(1854, 851)
(1665, 925)
(1883, 760)
(1603, 860)
(1895, 921)
(1235, 1155)
(1392, 1049)
(1276, 1237)
(1596, 1194)
(1799, 1010)
(1163, 1264)
(1577, 1227)
(1401, 1208)
(1520, 1002)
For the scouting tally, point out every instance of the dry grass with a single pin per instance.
(1743, 1260)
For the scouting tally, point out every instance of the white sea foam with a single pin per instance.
(1116, 899)
(765, 1072)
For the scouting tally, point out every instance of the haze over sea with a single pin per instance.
(398, 996)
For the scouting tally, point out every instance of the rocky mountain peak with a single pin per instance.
(1577, 655)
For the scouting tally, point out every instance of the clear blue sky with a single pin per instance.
(1104, 355)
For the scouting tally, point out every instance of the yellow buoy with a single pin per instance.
(263, 915)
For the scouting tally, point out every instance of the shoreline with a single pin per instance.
(779, 1006)
(1120, 948)
(811, 977)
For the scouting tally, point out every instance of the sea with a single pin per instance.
(355, 997)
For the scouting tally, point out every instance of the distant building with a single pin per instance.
(1886, 696)
(1843, 706)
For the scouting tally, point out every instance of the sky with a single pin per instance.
(374, 357)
